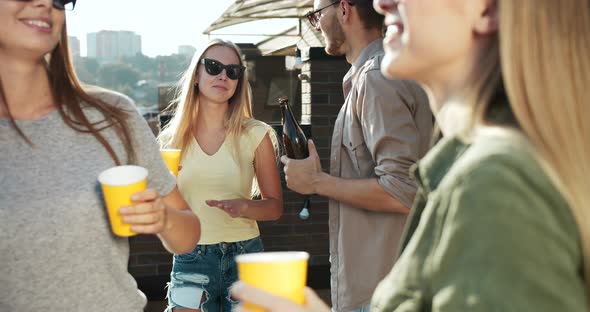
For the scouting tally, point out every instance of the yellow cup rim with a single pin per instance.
(122, 175)
(277, 256)
(172, 150)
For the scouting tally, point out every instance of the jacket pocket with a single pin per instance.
(356, 149)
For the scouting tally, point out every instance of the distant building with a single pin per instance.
(110, 45)
(74, 46)
(186, 50)
(91, 45)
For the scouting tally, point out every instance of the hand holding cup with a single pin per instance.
(148, 215)
(272, 303)
(282, 274)
(130, 206)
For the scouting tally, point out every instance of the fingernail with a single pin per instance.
(123, 210)
(135, 197)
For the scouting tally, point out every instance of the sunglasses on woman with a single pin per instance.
(214, 68)
(60, 4)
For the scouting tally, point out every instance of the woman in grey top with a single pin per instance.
(57, 251)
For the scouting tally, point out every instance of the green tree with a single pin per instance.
(145, 65)
(86, 69)
(84, 75)
(115, 75)
(91, 65)
(170, 67)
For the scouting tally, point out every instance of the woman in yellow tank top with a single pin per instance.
(228, 157)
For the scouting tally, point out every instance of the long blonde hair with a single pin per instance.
(539, 64)
(545, 52)
(178, 133)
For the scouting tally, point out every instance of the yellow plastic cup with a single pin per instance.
(172, 159)
(280, 273)
(118, 185)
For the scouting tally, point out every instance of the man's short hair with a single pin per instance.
(369, 17)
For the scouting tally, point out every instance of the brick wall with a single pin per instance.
(321, 99)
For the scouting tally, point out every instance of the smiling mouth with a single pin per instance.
(38, 24)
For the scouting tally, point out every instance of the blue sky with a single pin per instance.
(163, 25)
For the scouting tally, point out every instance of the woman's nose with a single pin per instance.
(44, 3)
(222, 75)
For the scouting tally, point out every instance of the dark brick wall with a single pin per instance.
(272, 81)
(320, 100)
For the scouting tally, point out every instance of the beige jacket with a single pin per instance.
(383, 128)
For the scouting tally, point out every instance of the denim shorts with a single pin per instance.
(207, 271)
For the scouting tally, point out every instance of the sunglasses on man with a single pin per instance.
(60, 4)
(214, 68)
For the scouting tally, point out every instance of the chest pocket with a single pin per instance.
(353, 141)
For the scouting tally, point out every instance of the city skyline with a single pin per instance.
(163, 28)
(110, 45)
(74, 43)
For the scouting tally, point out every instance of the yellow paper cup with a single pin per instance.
(172, 159)
(118, 185)
(280, 273)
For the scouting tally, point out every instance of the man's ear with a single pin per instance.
(488, 21)
(345, 10)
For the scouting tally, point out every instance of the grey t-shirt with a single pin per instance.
(57, 252)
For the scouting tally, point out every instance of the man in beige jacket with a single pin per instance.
(382, 129)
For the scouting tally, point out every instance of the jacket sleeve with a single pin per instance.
(385, 110)
(505, 245)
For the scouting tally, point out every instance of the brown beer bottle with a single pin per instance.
(294, 139)
(295, 144)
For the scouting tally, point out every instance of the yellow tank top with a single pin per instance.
(220, 177)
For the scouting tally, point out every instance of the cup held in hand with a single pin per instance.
(172, 159)
(118, 185)
(280, 273)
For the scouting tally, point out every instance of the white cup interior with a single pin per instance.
(268, 257)
(122, 175)
(169, 150)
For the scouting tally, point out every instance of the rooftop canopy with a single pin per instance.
(243, 11)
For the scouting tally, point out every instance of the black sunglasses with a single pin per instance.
(214, 68)
(60, 4)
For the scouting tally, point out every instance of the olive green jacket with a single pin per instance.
(488, 232)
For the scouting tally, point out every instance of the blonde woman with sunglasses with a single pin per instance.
(57, 252)
(227, 159)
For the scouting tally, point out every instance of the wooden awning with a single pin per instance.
(243, 11)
